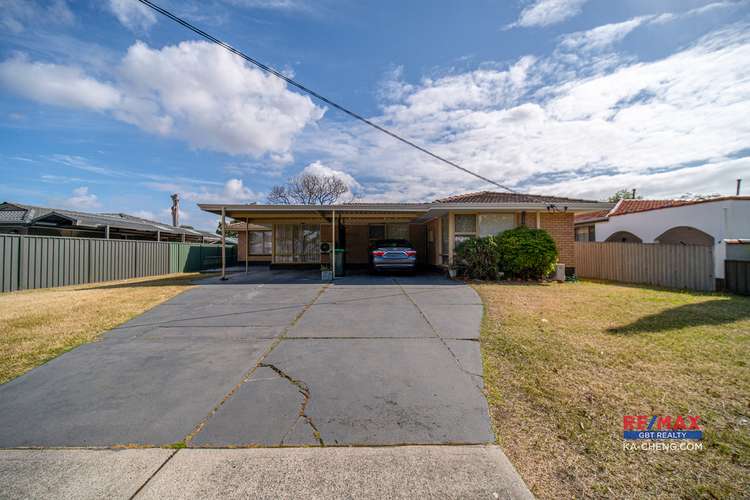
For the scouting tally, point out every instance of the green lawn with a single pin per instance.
(565, 362)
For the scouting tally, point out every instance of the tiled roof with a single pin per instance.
(495, 197)
(599, 215)
(634, 206)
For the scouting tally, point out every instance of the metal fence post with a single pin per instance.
(135, 260)
(89, 260)
(23, 264)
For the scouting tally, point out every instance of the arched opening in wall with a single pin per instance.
(685, 235)
(624, 237)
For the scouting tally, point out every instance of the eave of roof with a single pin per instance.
(426, 210)
(591, 217)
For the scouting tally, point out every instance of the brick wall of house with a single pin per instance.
(560, 227)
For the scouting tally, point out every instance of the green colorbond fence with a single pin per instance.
(48, 261)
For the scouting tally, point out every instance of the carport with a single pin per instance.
(306, 235)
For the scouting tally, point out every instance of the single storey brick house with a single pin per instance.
(291, 235)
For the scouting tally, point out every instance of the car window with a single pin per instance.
(392, 244)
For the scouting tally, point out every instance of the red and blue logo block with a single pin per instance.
(657, 427)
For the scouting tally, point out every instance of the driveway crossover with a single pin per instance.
(268, 358)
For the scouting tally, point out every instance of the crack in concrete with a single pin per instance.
(248, 375)
(304, 389)
(442, 340)
(153, 475)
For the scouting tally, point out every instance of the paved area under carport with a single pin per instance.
(269, 358)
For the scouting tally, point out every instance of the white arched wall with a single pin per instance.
(721, 219)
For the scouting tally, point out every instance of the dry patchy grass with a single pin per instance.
(38, 325)
(564, 362)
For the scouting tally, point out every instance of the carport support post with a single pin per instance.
(247, 242)
(223, 244)
(333, 246)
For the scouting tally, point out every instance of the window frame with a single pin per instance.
(266, 242)
(464, 235)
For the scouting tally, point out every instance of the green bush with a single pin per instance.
(526, 253)
(477, 258)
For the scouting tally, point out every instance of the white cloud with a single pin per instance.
(458, 92)
(16, 15)
(353, 187)
(392, 87)
(233, 191)
(709, 178)
(601, 36)
(194, 91)
(145, 214)
(672, 16)
(273, 4)
(56, 84)
(540, 128)
(81, 199)
(132, 14)
(547, 12)
(317, 168)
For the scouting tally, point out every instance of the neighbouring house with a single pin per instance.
(722, 223)
(18, 218)
(291, 235)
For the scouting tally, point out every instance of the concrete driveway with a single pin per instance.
(269, 358)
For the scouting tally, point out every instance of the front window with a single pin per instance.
(494, 224)
(397, 231)
(465, 228)
(260, 243)
(585, 233)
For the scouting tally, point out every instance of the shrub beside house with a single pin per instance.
(521, 252)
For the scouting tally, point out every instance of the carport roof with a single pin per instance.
(425, 211)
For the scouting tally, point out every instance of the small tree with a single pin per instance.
(624, 194)
(526, 253)
(309, 189)
(228, 233)
(478, 257)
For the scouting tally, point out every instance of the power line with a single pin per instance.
(301, 87)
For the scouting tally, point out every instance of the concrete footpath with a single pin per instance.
(480, 471)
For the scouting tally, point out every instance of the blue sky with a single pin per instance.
(107, 107)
